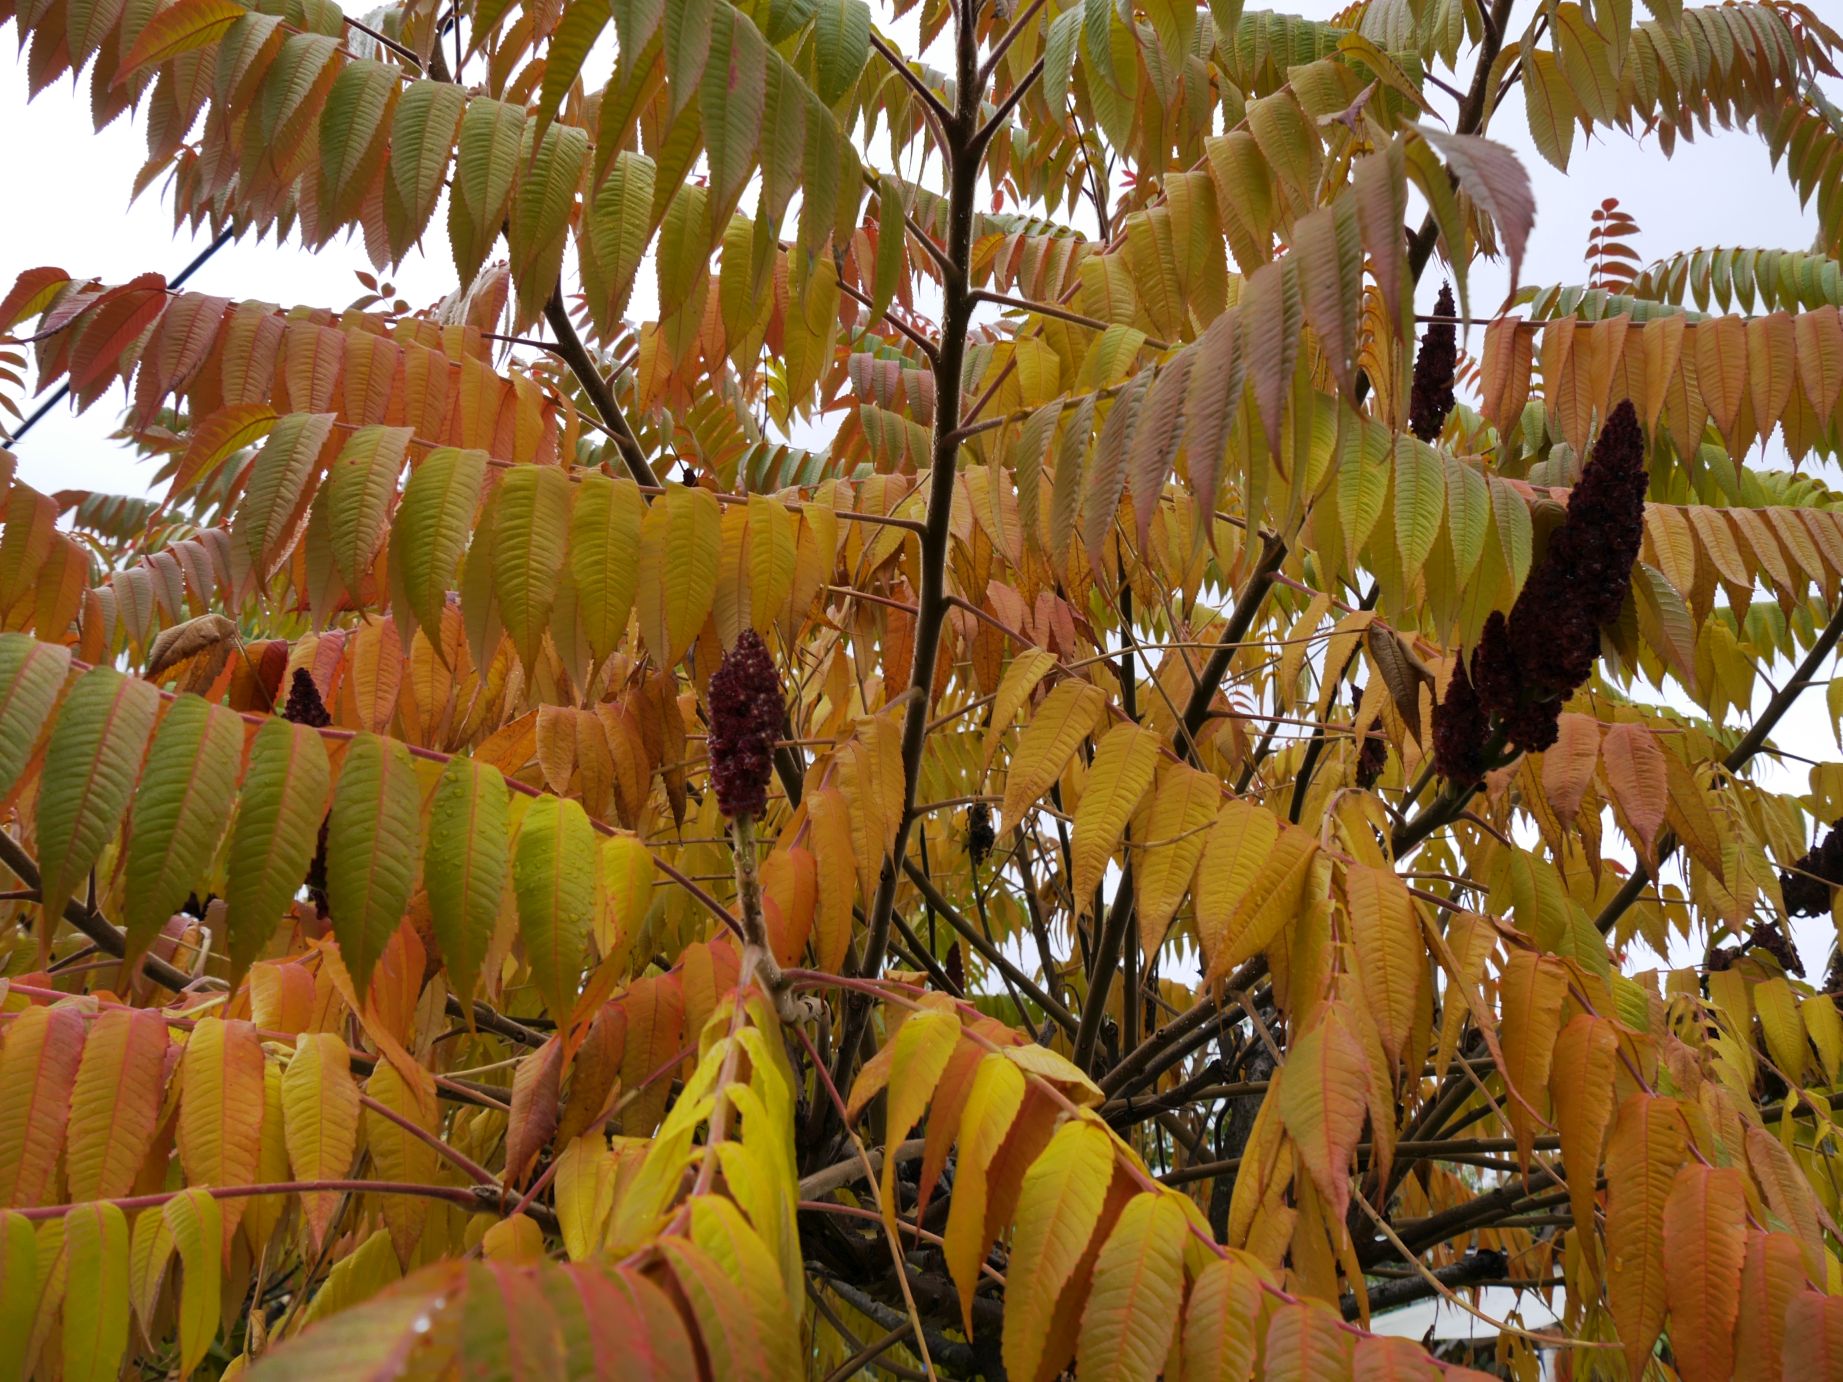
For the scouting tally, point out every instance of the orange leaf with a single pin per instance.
(116, 1102)
(1704, 1220)
(1771, 1275)
(1649, 1142)
(1640, 782)
(179, 29)
(1382, 1359)
(1814, 1336)
(1582, 1082)
(1532, 989)
(38, 1066)
(1306, 1342)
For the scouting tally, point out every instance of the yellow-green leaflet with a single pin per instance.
(465, 865)
(553, 877)
(180, 812)
(283, 801)
(90, 767)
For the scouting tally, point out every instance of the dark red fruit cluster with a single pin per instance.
(1372, 748)
(1529, 662)
(1460, 731)
(304, 705)
(1768, 937)
(1807, 887)
(1434, 368)
(745, 718)
(955, 970)
(980, 837)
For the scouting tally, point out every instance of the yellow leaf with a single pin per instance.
(1064, 719)
(921, 1050)
(584, 1194)
(1276, 896)
(1124, 762)
(1236, 847)
(1058, 1209)
(221, 1105)
(320, 1117)
(773, 550)
(1221, 1322)
(399, 1154)
(194, 1220)
(1138, 1285)
(1021, 677)
(1045, 1064)
(1392, 960)
(627, 875)
(1176, 825)
(1785, 1030)
(996, 1097)
(516, 1239)
(829, 815)
(1324, 1091)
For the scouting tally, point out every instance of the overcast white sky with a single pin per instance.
(67, 192)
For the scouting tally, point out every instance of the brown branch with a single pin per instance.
(1247, 604)
(936, 107)
(574, 354)
(963, 163)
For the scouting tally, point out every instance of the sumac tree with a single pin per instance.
(926, 728)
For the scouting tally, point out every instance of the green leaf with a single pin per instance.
(679, 541)
(357, 496)
(355, 126)
(841, 46)
(272, 498)
(421, 143)
(464, 867)
(486, 161)
(553, 877)
(431, 529)
(540, 220)
(371, 841)
(620, 224)
(688, 24)
(90, 768)
(180, 812)
(95, 1292)
(277, 826)
(604, 557)
(575, 34)
(530, 536)
(731, 97)
(1420, 500)
(31, 675)
(18, 1291)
